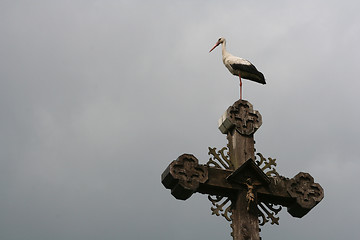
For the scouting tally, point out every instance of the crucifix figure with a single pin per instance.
(234, 176)
(250, 195)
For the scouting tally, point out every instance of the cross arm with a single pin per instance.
(186, 176)
(275, 192)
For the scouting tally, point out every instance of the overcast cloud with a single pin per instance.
(97, 97)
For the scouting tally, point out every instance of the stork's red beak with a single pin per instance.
(217, 44)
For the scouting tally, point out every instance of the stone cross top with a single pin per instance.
(249, 188)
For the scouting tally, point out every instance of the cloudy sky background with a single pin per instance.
(97, 97)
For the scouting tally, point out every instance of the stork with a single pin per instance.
(239, 66)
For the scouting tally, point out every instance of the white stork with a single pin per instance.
(239, 66)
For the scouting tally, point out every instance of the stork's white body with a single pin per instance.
(230, 60)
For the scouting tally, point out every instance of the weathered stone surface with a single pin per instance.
(307, 194)
(241, 116)
(184, 175)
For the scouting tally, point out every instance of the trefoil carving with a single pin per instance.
(219, 204)
(267, 212)
(220, 158)
(267, 165)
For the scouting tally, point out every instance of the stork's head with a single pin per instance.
(220, 41)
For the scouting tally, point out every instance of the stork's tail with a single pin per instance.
(256, 77)
(261, 78)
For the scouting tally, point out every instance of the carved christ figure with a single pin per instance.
(250, 195)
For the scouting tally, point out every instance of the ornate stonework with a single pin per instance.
(187, 169)
(242, 116)
(184, 175)
(306, 192)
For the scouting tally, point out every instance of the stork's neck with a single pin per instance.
(225, 54)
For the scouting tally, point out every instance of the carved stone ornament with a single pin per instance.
(184, 175)
(307, 194)
(242, 116)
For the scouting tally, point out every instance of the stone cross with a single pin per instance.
(233, 176)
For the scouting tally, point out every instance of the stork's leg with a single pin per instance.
(240, 86)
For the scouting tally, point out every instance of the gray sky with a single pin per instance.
(98, 97)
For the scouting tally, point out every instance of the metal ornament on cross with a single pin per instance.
(242, 187)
